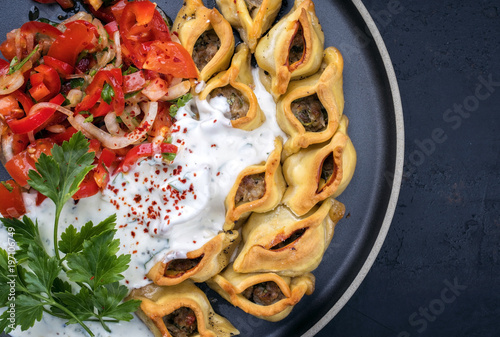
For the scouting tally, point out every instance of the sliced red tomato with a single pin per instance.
(80, 35)
(87, 188)
(156, 89)
(101, 109)
(39, 91)
(162, 120)
(142, 151)
(64, 69)
(170, 58)
(103, 171)
(12, 205)
(111, 28)
(133, 82)
(19, 143)
(7, 105)
(117, 9)
(19, 166)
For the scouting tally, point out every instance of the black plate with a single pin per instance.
(376, 128)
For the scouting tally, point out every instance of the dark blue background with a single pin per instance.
(447, 224)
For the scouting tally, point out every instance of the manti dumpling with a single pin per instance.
(200, 264)
(292, 49)
(311, 109)
(251, 18)
(206, 35)
(258, 188)
(234, 84)
(283, 243)
(327, 169)
(266, 295)
(180, 310)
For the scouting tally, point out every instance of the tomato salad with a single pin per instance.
(112, 77)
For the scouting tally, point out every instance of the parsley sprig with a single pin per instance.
(90, 260)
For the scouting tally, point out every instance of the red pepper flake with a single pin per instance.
(146, 230)
(156, 231)
(134, 252)
(137, 198)
(218, 174)
(215, 121)
(133, 234)
(92, 278)
(213, 145)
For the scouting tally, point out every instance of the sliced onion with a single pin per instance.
(10, 83)
(177, 91)
(56, 128)
(7, 140)
(118, 47)
(117, 142)
(74, 97)
(78, 16)
(112, 125)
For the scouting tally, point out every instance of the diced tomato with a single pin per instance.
(142, 151)
(50, 79)
(103, 168)
(101, 109)
(94, 145)
(64, 69)
(111, 28)
(80, 35)
(66, 4)
(87, 188)
(156, 89)
(163, 120)
(7, 105)
(170, 58)
(19, 142)
(133, 82)
(117, 9)
(103, 13)
(33, 121)
(8, 49)
(12, 205)
(59, 138)
(40, 198)
(19, 166)
(39, 91)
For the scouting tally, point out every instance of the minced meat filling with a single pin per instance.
(311, 113)
(327, 168)
(181, 322)
(295, 235)
(253, 6)
(238, 105)
(251, 188)
(183, 264)
(297, 46)
(205, 48)
(265, 293)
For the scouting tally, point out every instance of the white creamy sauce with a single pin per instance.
(165, 210)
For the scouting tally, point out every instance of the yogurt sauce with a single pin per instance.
(165, 210)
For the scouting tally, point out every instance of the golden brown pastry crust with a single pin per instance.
(239, 76)
(327, 84)
(274, 188)
(158, 302)
(215, 256)
(250, 25)
(306, 165)
(272, 52)
(230, 285)
(193, 20)
(266, 230)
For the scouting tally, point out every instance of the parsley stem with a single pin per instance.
(63, 308)
(56, 229)
(104, 324)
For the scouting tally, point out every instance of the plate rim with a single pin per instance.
(398, 173)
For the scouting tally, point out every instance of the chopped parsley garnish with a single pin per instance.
(77, 83)
(130, 70)
(89, 119)
(181, 101)
(15, 66)
(107, 93)
(8, 186)
(90, 263)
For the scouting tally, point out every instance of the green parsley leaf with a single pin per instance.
(130, 70)
(7, 185)
(132, 94)
(80, 304)
(77, 83)
(59, 175)
(107, 93)
(14, 66)
(72, 241)
(44, 20)
(26, 234)
(28, 310)
(45, 269)
(4, 279)
(97, 264)
(89, 119)
(169, 156)
(181, 101)
(108, 300)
